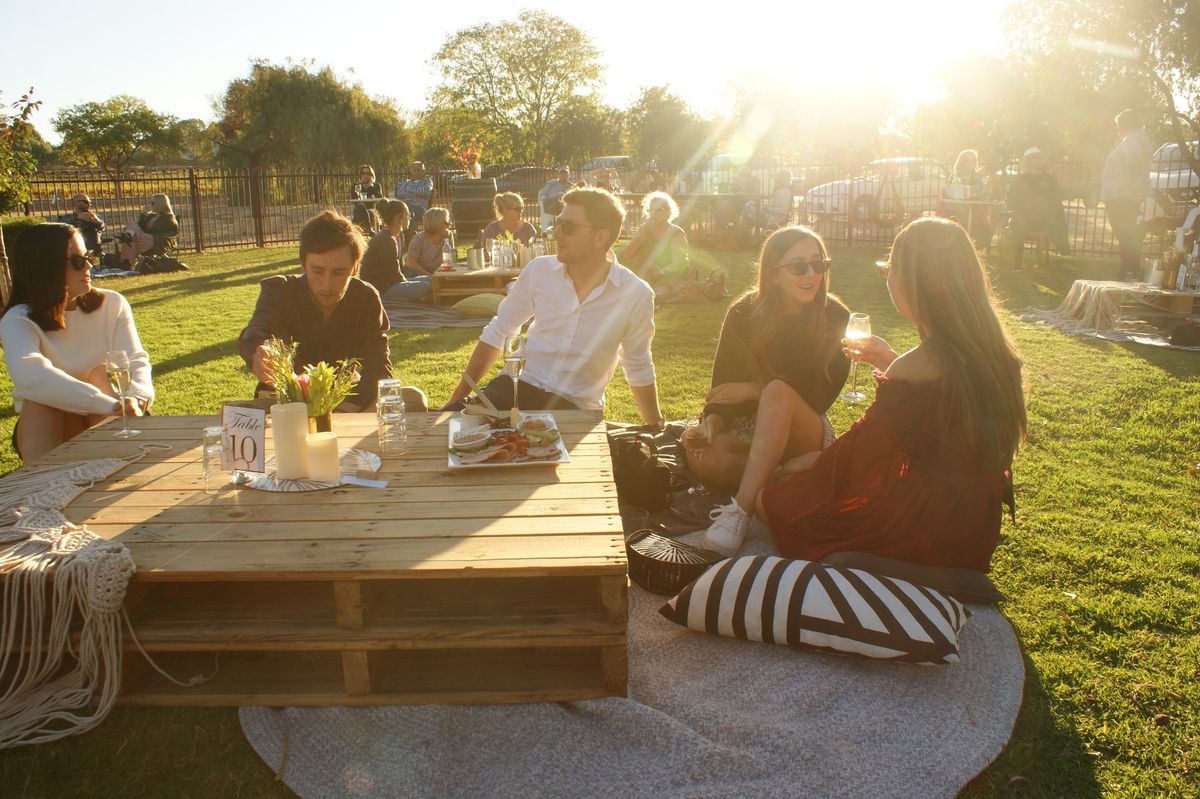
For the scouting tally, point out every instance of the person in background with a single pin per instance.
(381, 263)
(550, 196)
(508, 208)
(326, 310)
(364, 214)
(89, 224)
(425, 249)
(56, 331)
(780, 346)
(1124, 187)
(416, 191)
(1035, 204)
(923, 476)
(658, 253)
(778, 211)
(153, 233)
(968, 183)
(588, 313)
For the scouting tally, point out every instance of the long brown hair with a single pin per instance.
(951, 300)
(39, 272)
(766, 313)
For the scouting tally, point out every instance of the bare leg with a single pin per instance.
(721, 463)
(786, 426)
(43, 428)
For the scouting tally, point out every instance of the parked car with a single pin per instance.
(885, 191)
(526, 180)
(1174, 185)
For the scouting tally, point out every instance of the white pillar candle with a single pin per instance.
(323, 457)
(289, 426)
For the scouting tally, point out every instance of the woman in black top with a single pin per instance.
(781, 341)
(364, 213)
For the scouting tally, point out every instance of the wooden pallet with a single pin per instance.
(475, 586)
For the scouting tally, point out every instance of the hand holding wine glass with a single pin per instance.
(858, 330)
(116, 366)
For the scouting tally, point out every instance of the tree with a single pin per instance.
(585, 128)
(108, 134)
(519, 74)
(298, 115)
(430, 129)
(16, 168)
(663, 129)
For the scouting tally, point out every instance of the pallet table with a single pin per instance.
(450, 287)
(480, 586)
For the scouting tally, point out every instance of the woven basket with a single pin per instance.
(663, 566)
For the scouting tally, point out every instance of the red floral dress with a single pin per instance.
(886, 488)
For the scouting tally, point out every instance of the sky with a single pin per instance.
(181, 56)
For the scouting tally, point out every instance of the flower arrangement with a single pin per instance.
(467, 154)
(320, 386)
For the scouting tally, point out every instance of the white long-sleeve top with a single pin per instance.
(573, 347)
(52, 366)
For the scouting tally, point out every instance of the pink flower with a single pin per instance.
(302, 381)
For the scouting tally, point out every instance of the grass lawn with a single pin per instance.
(1101, 569)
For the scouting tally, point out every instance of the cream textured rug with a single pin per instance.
(706, 717)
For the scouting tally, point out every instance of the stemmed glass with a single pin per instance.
(858, 330)
(116, 366)
(514, 360)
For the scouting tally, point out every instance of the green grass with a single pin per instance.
(1102, 568)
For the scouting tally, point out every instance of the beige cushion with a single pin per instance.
(479, 305)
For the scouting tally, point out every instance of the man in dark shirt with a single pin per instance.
(90, 224)
(328, 311)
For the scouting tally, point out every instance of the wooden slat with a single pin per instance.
(348, 604)
(357, 673)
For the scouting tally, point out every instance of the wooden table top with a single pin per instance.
(429, 521)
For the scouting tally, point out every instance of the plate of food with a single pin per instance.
(535, 441)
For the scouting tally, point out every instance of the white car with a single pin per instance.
(1174, 186)
(885, 191)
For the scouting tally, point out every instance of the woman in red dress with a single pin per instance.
(922, 476)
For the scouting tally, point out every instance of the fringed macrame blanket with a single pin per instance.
(53, 573)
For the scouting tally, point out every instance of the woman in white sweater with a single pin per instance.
(56, 331)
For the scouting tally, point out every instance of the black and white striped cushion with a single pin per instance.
(806, 603)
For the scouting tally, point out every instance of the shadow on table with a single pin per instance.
(1044, 757)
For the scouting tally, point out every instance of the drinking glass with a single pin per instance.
(514, 360)
(858, 329)
(116, 365)
(393, 425)
(212, 459)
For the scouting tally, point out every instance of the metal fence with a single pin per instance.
(219, 208)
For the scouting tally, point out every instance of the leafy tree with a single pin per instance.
(430, 129)
(108, 134)
(585, 128)
(519, 74)
(17, 164)
(296, 114)
(663, 129)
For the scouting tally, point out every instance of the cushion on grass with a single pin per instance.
(479, 305)
(811, 604)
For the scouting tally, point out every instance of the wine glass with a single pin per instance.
(858, 330)
(116, 366)
(514, 360)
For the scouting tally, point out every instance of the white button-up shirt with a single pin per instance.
(573, 347)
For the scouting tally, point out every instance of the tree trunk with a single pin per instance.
(5, 276)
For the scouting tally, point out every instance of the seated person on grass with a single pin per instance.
(381, 264)
(658, 253)
(425, 250)
(1035, 202)
(588, 313)
(327, 311)
(89, 223)
(508, 207)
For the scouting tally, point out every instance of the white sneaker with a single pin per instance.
(728, 530)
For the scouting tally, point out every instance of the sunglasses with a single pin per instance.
(884, 268)
(800, 268)
(78, 262)
(567, 226)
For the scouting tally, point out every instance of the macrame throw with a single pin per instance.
(53, 573)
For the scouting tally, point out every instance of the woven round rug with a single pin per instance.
(706, 717)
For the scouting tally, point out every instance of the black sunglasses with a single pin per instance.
(78, 262)
(800, 268)
(567, 226)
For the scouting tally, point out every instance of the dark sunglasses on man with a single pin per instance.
(819, 266)
(567, 226)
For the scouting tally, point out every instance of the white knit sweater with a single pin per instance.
(51, 366)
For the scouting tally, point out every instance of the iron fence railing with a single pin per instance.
(220, 208)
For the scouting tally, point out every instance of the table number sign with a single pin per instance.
(245, 444)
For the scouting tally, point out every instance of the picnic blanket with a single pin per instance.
(705, 717)
(419, 316)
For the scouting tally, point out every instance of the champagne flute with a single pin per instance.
(116, 366)
(514, 362)
(858, 330)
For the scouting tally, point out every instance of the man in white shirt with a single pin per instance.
(588, 313)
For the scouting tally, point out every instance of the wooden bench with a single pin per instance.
(450, 287)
